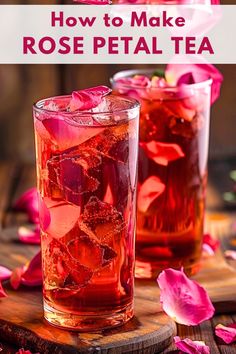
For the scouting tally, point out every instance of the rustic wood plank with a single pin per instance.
(7, 171)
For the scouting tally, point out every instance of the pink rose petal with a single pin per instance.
(22, 351)
(227, 333)
(66, 135)
(179, 73)
(29, 275)
(230, 254)
(28, 202)
(191, 347)
(162, 153)
(151, 189)
(88, 98)
(5, 273)
(2, 292)
(94, 2)
(183, 299)
(28, 235)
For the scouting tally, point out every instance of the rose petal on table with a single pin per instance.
(29, 274)
(151, 189)
(191, 347)
(88, 98)
(5, 273)
(28, 235)
(22, 351)
(230, 254)
(28, 202)
(178, 74)
(183, 299)
(227, 333)
(32, 275)
(162, 153)
(210, 244)
(2, 291)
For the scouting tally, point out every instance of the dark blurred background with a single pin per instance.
(22, 85)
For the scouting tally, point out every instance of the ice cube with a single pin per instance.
(90, 253)
(70, 174)
(101, 221)
(61, 270)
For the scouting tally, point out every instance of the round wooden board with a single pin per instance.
(21, 323)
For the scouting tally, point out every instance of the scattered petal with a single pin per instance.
(28, 202)
(227, 333)
(183, 299)
(29, 235)
(2, 292)
(230, 254)
(151, 189)
(181, 74)
(22, 351)
(162, 153)
(191, 347)
(210, 244)
(29, 275)
(88, 98)
(5, 273)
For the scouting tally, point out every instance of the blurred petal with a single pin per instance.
(191, 347)
(210, 244)
(178, 74)
(22, 351)
(162, 153)
(5, 273)
(230, 254)
(183, 299)
(29, 235)
(29, 275)
(227, 333)
(151, 188)
(94, 2)
(2, 292)
(28, 202)
(88, 98)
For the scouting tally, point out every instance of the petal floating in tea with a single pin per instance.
(29, 235)
(151, 189)
(5, 273)
(191, 347)
(87, 99)
(162, 153)
(227, 333)
(183, 299)
(28, 202)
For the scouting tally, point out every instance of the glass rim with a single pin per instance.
(134, 104)
(129, 73)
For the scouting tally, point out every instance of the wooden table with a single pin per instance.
(14, 179)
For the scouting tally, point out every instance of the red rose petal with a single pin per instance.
(227, 333)
(162, 153)
(200, 72)
(2, 292)
(15, 279)
(183, 299)
(151, 189)
(5, 273)
(28, 235)
(191, 347)
(28, 202)
(88, 98)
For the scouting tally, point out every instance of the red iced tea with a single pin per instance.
(173, 150)
(86, 168)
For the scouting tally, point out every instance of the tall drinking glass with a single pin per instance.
(86, 172)
(173, 151)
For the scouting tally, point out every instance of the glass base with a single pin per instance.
(151, 270)
(87, 323)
